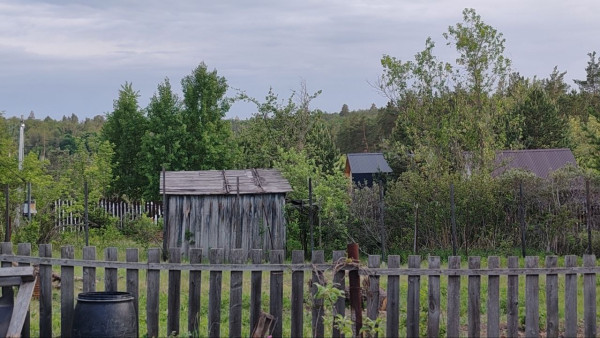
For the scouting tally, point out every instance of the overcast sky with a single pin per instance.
(63, 57)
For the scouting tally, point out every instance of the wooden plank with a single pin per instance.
(174, 295)
(493, 299)
(67, 289)
(339, 281)
(373, 261)
(21, 309)
(255, 289)
(413, 301)
(6, 249)
(216, 256)
(45, 250)
(276, 293)
(589, 298)
(433, 315)
(195, 291)
(532, 289)
(512, 299)
(89, 273)
(453, 304)
(474, 299)
(152, 294)
(318, 328)
(111, 278)
(133, 282)
(551, 299)
(571, 298)
(24, 249)
(235, 295)
(297, 310)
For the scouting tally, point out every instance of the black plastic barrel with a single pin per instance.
(104, 314)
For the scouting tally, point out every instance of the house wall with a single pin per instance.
(226, 221)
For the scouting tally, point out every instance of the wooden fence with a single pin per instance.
(419, 320)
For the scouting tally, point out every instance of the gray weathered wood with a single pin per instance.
(413, 308)
(89, 273)
(493, 299)
(235, 295)
(453, 304)
(67, 298)
(551, 299)
(532, 289)
(393, 299)
(20, 310)
(589, 298)
(45, 250)
(24, 249)
(297, 311)
(255, 289)
(152, 294)
(570, 298)
(133, 282)
(474, 299)
(195, 292)
(373, 262)
(214, 296)
(339, 281)
(317, 308)
(111, 278)
(433, 315)
(174, 295)
(6, 249)
(276, 293)
(512, 299)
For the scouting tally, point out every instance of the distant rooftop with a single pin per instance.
(541, 162)
(368, 163)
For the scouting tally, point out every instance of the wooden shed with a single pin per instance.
(225, 209)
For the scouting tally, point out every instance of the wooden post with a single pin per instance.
(276, 293)
(297, 295)
(195, 291)
(512, 299)
(86, 223)
(111, 277)
(413, 307)
(310, 215)
(493, 299)
(453, 304)
(474, 299)
(374, 261)
(588, 215)
(255, 289)
(355, 292)
(235, 295)
(67, 298)
(522, 219)
(214, 296)
(45, 250)
(7, 213)
(153, 291)
(24, 249)
(589, 297)
(318, 329)
(433, 315)
(570, 298)
(339, 281)
(165, 215)
(453, 219)
(532, 289)
(89, 273)
(174, 296)
(132, 275)
(551, 298)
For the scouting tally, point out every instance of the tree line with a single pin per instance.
(437, 111)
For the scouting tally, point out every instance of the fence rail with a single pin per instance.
(418, 320)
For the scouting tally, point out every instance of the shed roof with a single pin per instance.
(224, 182)
(541, 162)
(367, 163)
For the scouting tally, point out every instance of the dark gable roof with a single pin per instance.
(368, 163)
(541, 162)
(224, 182)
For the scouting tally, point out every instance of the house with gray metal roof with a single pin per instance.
(364, 167)
(540, 162)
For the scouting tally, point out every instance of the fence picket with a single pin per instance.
(570, 298)
(433, 316)
(339, 281)
(89, 273)
(474, 299)
(111, 278)
(132, 283)
(453, 305)
(255, 289)
(412, 302)
(195, 292)
(45, 250)
(589, 297)
(297, 295)
(373, 262)
(512, 299)
(493, 299)
(152, 294)
(174, 296)
(551, 298)
(318, 329)
(276, 293)
(532, 289)
(24, 249)
(214, 297)
(235, 295)
(67, 277)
